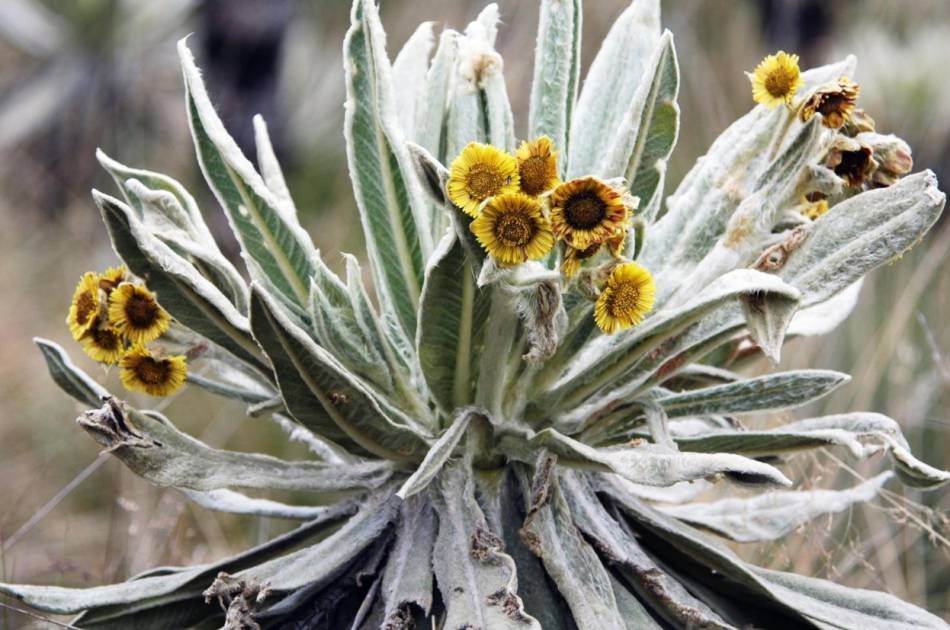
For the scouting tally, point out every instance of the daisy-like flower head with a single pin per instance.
(835, 102)
(111, 278)
(571, 262)
(586, 211)
(135, 313)
(537, 166)
(776, 79)
(627, 297)
(85, 306)
(103, 344)
(141, 371)
(815, 209)
(513, 229)
(480, 172)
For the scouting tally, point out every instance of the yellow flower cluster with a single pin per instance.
(778, 78)
(113, 319)
(521, 208)
(503, 193)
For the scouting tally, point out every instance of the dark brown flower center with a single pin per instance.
(85, 308)
(107, 285)
(152, 372)
(833, 104)
(105, 338)
(514, 230)
(584, 211)
(624, 299)
(534, 175)
(141, 310)
(483, 181)
(588, 252)
(779, 82)
(854, 166)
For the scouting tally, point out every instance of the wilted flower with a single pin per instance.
(835, 102)
(586, 211)
(573, 257)
(851, 161)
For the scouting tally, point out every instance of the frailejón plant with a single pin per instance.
(513, 432)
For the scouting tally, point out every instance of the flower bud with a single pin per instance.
(892, 157)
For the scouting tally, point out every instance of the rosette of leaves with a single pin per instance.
(483, 456)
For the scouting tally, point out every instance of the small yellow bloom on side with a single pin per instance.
(111, 278)
(537, 166)
(835, 102)
(479, 172)
(85, 306)
(513, 229)
(146, 373)
(626, 299)
(571, 263)
(776, 79)
(135, 313)
(586, 211)
(103, 344)
(815, 209)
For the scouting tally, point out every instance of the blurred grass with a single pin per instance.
(114, 525)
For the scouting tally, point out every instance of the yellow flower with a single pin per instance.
(571, 263)
(776, 79)
(479, 172)
(586, 211)
(815, 209)
(111, 278)
(103, 344)
(143, 372)
(513, 229)
(537, 166)
(835, 102)
(134, 312)
(85, 306)
(626, 298)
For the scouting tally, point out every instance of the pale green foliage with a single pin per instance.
(488, 459)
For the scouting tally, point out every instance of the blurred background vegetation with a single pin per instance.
(77, 74)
